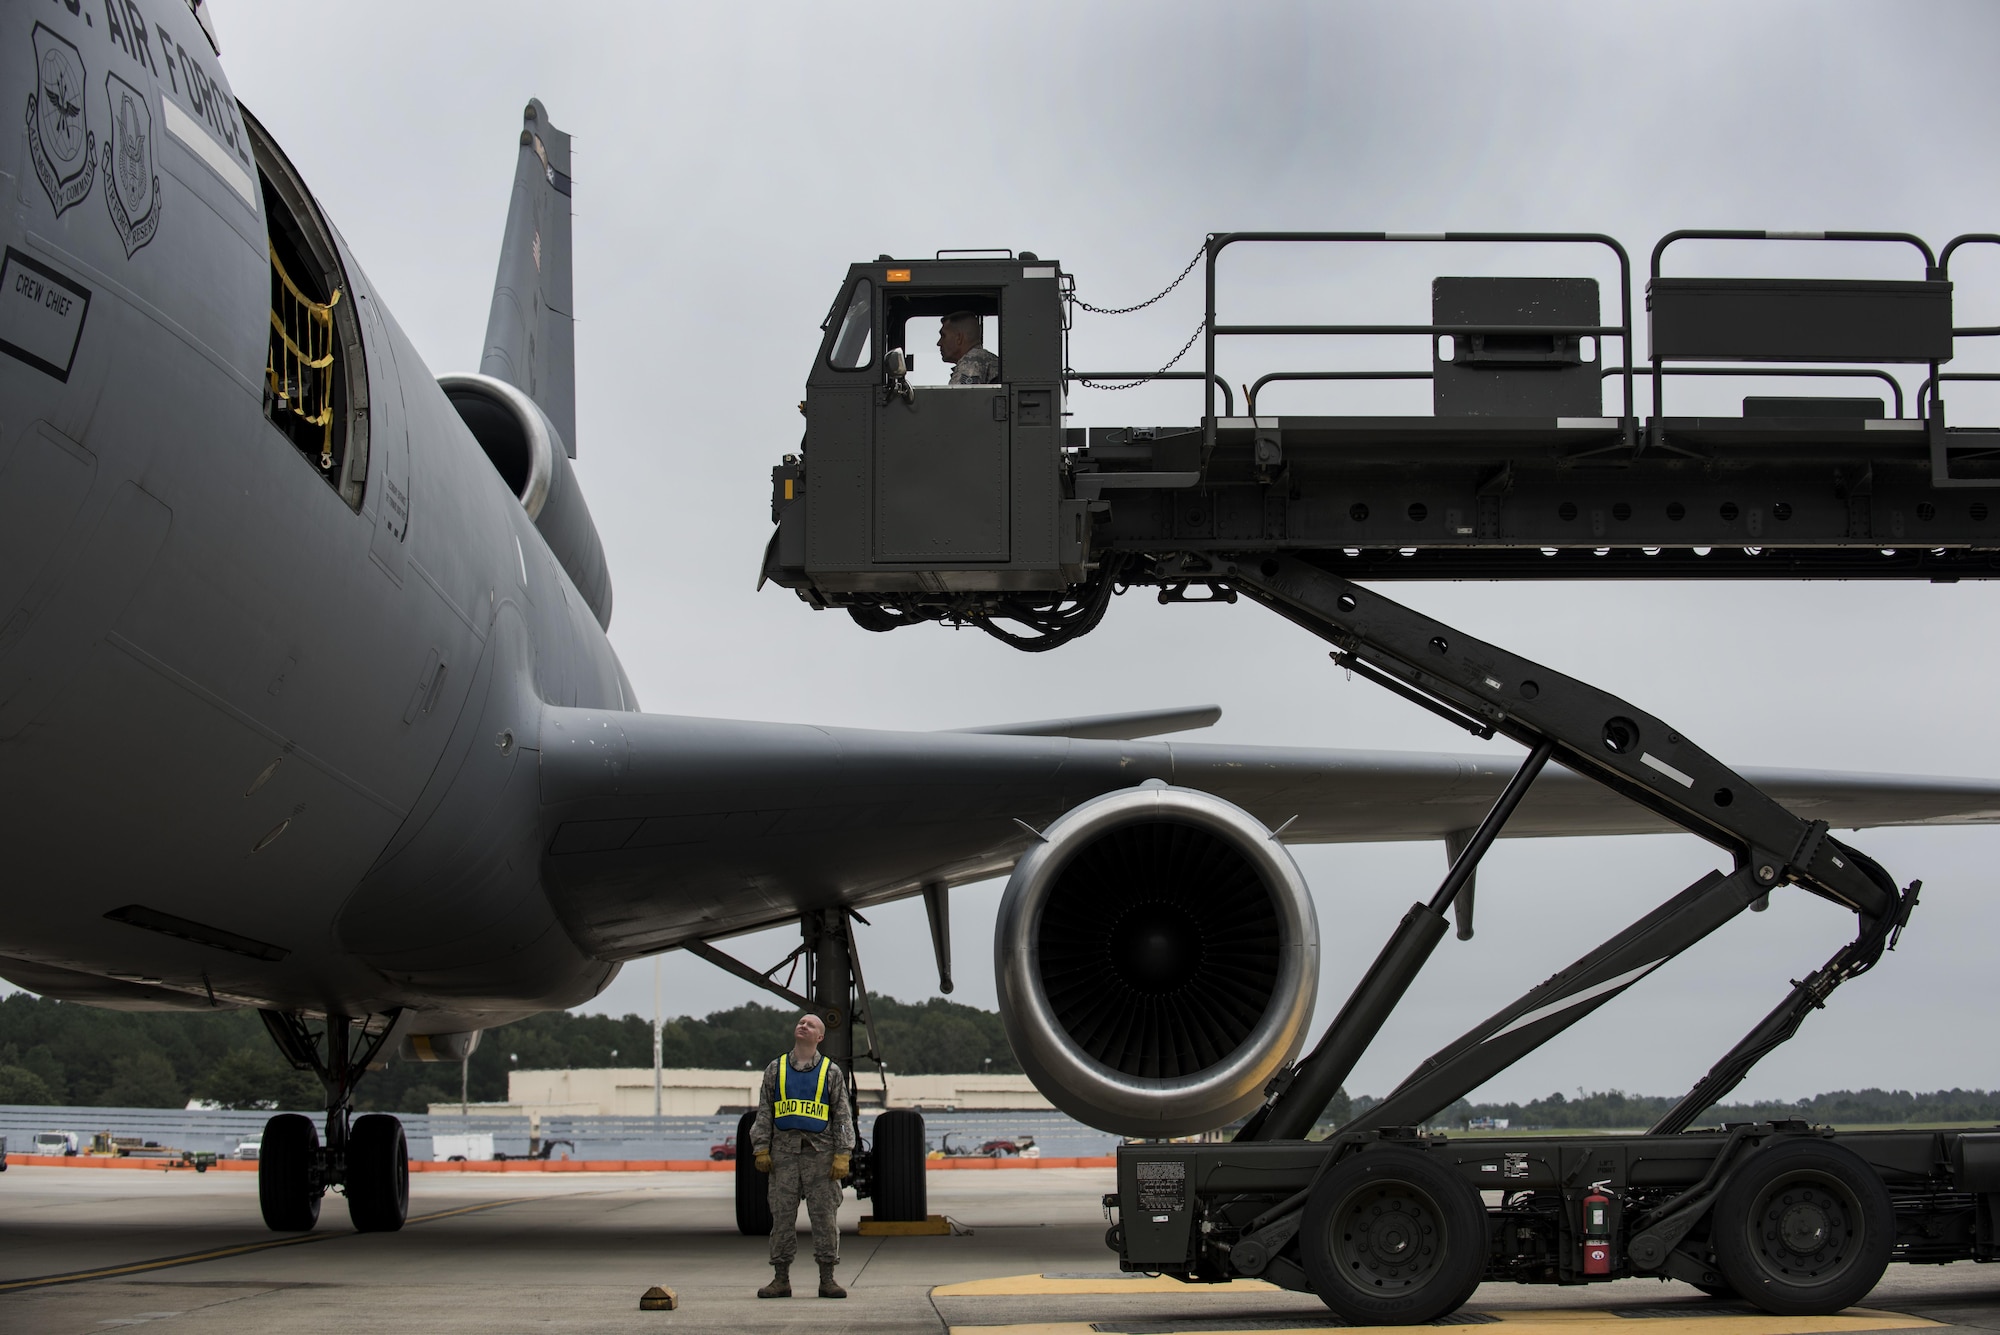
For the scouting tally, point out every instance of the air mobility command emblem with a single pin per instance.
(61, 144)
(131, 180)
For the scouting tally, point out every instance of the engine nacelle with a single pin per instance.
(528, 453)
(1157, 958)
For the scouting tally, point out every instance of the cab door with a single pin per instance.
(941, 475)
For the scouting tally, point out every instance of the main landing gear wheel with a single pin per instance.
(753, 1189)
(1804, 1228)
(378, 1174)
(896, 1162)
(1391, 1238)
(288, 1190)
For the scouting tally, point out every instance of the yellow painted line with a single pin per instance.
(223, 1253)
(1043, 1286)
(1589, 1322)
(1557, 1321)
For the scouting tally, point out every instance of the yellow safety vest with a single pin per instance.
(792, 1111)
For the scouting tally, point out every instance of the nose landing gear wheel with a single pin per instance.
(378, 1174)
(288, 1188)
(753, 1189)
(897, 1165)
(1805, 1228)
(1393, 1239)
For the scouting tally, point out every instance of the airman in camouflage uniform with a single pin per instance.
(960, 337)
(804, 1138)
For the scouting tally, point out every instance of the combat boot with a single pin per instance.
(781, 1283)
(827, 1288)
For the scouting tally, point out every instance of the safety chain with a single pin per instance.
(1127, 310)
(1148, 379)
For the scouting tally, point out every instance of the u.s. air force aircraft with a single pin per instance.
(307, 705)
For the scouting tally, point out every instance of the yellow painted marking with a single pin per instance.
(1017, 1286)
(1556, 1321)
(223, 1253)
(1589, 1322)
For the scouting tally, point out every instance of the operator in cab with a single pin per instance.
(961, 339)
(804, 1138)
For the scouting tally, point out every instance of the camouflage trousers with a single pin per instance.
(798, 1173)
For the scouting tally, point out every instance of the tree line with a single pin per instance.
(54, 1052)
(1616, 1109)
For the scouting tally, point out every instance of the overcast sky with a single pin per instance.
(732, 160)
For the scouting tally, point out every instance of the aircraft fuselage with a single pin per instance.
(293, 705)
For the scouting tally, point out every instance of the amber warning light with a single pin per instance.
(899, 275)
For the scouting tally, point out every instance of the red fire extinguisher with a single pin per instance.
(1596, 1233)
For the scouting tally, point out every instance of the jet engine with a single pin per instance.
(531, 458)
(1158, 957)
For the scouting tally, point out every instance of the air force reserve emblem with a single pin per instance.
(131, 180)
(61, 144)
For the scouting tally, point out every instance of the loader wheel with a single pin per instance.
(1804, 1228)
(1391, 1238)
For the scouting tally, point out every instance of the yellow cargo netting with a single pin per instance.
(300, 355)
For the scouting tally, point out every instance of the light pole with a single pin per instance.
(659, 1080)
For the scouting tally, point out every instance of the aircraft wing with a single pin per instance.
(1111, 727)
(662, 829)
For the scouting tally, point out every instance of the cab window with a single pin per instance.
(914, 321)
(854, 345)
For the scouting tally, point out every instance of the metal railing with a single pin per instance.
(1137, 378)
(1927, 395)
(1936, 266)
(1931, 270)
(1257, 388)
(1839, 373)
(1220, 241)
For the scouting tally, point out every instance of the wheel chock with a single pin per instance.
(658, 1299)
(930, 1226)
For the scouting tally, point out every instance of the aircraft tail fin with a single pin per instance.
(531, 335)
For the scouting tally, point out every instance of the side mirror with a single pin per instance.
(896, 372)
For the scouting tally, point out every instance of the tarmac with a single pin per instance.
(180, 1251)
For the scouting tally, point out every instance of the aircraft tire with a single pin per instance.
(896, 1162)
(286, 1190)
(753, 1189)
(378, 1174)
(1393, 1238)
(1804, 1228)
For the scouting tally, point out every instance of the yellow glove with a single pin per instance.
(840, 1162)
(763, 1161)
